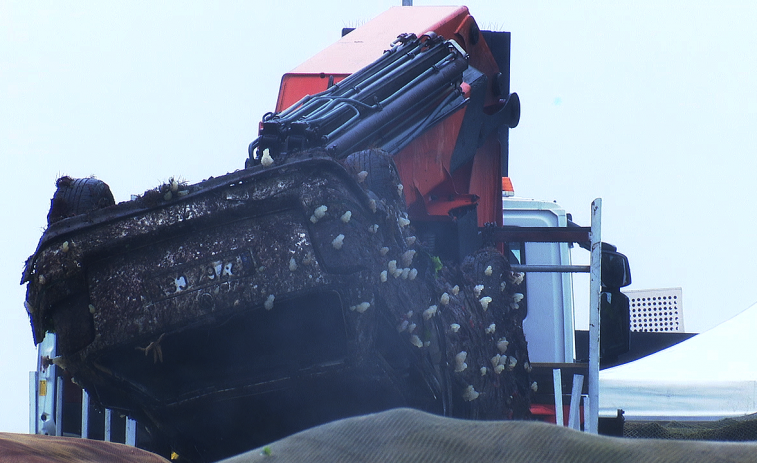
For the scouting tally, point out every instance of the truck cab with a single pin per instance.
(549, 324)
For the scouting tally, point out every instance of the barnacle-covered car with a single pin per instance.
(232, 312)
(263, 302)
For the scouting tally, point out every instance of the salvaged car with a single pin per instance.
(333, 276)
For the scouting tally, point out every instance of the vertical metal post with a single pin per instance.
(131, 432)
(574, 417)
(58, 403)
(84, 414)
(33, 399)
(557, 380)
(587, 408)
(108, 417)
(592, 424)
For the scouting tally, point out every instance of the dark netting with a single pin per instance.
(730, 429)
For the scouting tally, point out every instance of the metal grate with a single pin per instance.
(656, 310)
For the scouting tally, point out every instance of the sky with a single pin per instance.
(649, 105)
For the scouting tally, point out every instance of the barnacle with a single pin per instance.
(455, 290)
(64, 246)
(393, 269)
(361, 176)
(454, 327)
(460, 364)
(268, 304)
(413, 273)
(399, 189)
(403, 222)
(41, 279)
(292, 264)
(372, 205)
(59, 361)
(488, 271)
(534, 386)
(91, 308)
(266, 160)
(491, 328)
(373, 228)
(470, 394)
(416, 341)
(444, 300)
(477, 290)
(338, 241)
(485, 301)
(430, 312)
(168, 196)
(527, 367)
(502, 344)
(405, 273)
(308, 259)
(174, 185)
(517, 297)
(382, 276)
(483, 371)
(502, 286)
(320, 212)
(407, 257)
(346, 216)
(383, 251)
(496, 360)
(403, 326)
(511, 362)
(411, 327)
(410, 240)
(518, 278)
(362, 307)
(499, 369)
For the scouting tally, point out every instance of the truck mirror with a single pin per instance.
(614, 325)
(616, 273)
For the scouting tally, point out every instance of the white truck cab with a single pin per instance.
(549, 325)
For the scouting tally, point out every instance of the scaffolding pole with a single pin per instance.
(592, 425)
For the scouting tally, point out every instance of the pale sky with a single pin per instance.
(650, 105)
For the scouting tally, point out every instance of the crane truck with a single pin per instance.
(368, 256)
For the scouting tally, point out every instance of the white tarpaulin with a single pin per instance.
(710, 376)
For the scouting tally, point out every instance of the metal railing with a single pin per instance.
(591, 235)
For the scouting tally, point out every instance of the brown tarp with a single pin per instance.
(30, 448)
(404, 436)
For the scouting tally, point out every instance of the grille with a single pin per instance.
(656, 310)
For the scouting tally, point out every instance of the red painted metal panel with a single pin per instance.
(431, 190)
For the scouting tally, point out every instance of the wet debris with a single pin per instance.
(155, 348)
